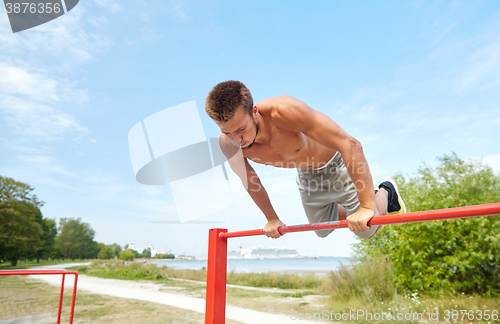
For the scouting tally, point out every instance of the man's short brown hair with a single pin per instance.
(225, 98)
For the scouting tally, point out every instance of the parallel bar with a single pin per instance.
(25, 272)
(60, 300)
(215, 312)
(440, 214)
(50, 272)
(73, 300)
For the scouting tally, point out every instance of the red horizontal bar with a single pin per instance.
(429, 215)
(34, 272)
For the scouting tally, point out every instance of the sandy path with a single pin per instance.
(151, 292)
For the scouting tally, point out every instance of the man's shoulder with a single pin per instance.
(228, 146)
(274, 102)
(275, 106)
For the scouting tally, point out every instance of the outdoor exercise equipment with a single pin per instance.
(215, 311)
(50, 272)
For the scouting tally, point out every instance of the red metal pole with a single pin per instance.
(215, 312)
(60, 300)
(440, 214)
(73, 300)
(50, 272)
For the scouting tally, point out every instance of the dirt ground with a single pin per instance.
(22, 296)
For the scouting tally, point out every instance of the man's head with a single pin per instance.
(230, 105)
(225, 98)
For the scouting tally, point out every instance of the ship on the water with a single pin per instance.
(263, 252)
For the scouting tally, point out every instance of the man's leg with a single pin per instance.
(388, 201)
(380, 201)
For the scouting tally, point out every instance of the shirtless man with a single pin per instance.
(333, 176)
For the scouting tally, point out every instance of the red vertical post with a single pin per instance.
(60, 300)
(215, 312)
(73, 300)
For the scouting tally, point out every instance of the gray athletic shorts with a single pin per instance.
(323, 189)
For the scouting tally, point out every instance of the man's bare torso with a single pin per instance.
(285, 148)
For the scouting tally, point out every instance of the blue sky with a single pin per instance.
(411, 80)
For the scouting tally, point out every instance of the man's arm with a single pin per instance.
(251, 181)
(293, 114)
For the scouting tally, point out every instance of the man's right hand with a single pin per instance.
(271, 228)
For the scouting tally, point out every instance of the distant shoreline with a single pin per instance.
(257, 258)
(301, 266)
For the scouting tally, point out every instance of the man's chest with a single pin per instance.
(282, 148)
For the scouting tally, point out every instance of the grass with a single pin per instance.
(365, 286)
(23, 296)
(299, 294)
(26, 264)
(117, 270)
(369, 280)
(368, 287)
(271, 302)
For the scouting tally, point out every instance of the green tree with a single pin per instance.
(458, 255)
(136, 254)
(49, 228)
(127, 255)
(76, 239)
(146, 253)
(165, 256)
(20, 220)
(106, 252)
(56, 255)
(116, 249)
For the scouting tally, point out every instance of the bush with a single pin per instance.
(457, 255)
(127, 255)
(165, 256)
(106, 253)
(370, 280)
(275, 280)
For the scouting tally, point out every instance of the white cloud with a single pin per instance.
(482, 68)
(468, 62)
(14, 80)
(38, 150)
(98, 21)
(110, 4)
(47, 164)
(149, 34)
(369, 104)
(37, 122)
(144, 17)
(157, 206)
(180, 10)
(65, 42)
(493, 161)
(153, 190)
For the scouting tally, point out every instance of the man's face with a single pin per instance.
(242, 128)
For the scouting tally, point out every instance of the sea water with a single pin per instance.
(319, 266)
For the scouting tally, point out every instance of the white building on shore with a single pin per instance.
(132, 247)
(154, 252)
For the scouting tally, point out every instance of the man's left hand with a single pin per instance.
(358, 221)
